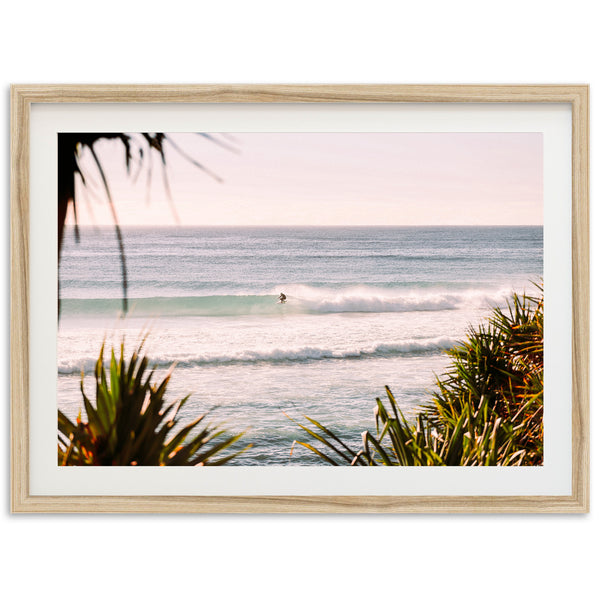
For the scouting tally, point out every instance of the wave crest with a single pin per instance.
(301, 300)
(282, 355)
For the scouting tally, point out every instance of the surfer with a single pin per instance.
(282, 298)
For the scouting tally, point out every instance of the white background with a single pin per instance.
(297, 556)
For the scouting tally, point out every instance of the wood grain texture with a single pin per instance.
(580, 300)
(298, 93)
(19, 299)
(22, 96)
(300, 504)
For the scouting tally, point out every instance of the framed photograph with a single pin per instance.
(347, 298)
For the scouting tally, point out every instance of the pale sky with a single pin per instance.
(328, 179)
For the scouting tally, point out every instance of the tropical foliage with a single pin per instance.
(487, 410)
(131, 422)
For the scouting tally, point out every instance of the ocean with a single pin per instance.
(366, 307)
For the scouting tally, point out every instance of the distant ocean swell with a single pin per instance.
(281, 355)
(309, 301)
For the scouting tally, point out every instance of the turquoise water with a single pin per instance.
(367, 307)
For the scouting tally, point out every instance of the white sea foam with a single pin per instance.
(277, 355)
(378, 300)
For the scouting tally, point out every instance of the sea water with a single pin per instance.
(366, 307)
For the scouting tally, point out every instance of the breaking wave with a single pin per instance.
(282, 355)
(301, 300)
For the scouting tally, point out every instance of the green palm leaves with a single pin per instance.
(500, 370)
(488, 409)
(131, 422)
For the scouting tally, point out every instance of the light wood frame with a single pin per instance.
(22, 96)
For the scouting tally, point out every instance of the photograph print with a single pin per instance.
(300, 299)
